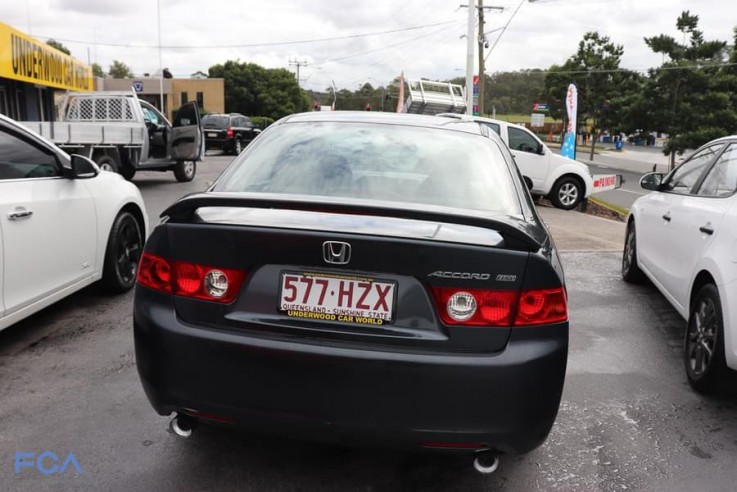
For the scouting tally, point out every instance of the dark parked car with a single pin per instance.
(229, 132)
(359, 278)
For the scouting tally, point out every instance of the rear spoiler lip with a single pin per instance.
(509, 226)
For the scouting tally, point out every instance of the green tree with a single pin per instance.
(56, 44)
(511, 92)
(602, 85)
(254, 90)
(97, 70)
(691, 97)
(120, 70)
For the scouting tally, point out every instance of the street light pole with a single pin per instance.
(469, 56)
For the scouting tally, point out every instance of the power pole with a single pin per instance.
(298, 63)
(469, 58)
(482, 44)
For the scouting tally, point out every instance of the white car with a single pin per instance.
(683, 237)
(563, 181)
(64, 224)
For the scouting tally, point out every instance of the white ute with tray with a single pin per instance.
(124, 134)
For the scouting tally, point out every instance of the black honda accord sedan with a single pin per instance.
(359, 278)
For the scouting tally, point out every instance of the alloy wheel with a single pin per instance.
(128, 252)
(702, 337)
(188, 169)
(568, 194)
(629, 251)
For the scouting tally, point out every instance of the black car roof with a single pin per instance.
(386, 118)
(223, 114)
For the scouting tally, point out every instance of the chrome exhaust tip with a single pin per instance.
(486, 462)
(182, 425)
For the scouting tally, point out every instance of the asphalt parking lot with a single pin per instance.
(628, 419)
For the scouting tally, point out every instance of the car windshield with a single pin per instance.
(212, 121)
(378, 162)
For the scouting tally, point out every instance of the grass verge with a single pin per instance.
(597, 206)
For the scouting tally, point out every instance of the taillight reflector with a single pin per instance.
(503, 307)
(229, 133)
(189, 279)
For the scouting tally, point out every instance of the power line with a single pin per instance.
(256, 45)
(504, 29)
(369, 52)
(384, 47)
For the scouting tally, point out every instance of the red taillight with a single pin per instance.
(189, 279)
(154, 272)
(537, 307)
(478, 307)
(229, 133)
(493, 307)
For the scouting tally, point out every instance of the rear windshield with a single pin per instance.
(377, 162)
(211, 121)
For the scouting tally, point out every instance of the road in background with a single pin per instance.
(631, 162)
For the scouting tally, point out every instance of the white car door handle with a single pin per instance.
(666, 217)
(20, 214)
(706, 229)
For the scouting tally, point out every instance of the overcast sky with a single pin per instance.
(196, 34)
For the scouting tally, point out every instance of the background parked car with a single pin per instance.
(385, 273)
(229, 132)
(64, 224)
(683, 237)
(563, 181)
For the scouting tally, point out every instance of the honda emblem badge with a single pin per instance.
(336, 252)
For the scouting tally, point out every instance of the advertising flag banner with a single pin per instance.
(568, 149)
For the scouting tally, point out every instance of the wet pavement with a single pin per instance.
(628, 419)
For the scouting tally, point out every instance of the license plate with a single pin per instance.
(345, 299)
(212, 135)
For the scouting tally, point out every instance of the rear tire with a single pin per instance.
(127, 172)
(123, 252)
(185, 171)
(567, 192)
(704, 342)
(107, 163)
(237, 146)
(631, 272)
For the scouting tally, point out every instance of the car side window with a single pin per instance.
(521, 140)
(722, 178)
(151, 116)
(247, 123)
(493, 126)
(21, 159)
(685, 176)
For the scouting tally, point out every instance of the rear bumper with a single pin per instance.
(306, 389)
(218, 143)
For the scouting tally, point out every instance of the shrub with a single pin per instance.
(262, 121)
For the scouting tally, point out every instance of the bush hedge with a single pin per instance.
(262, 121)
